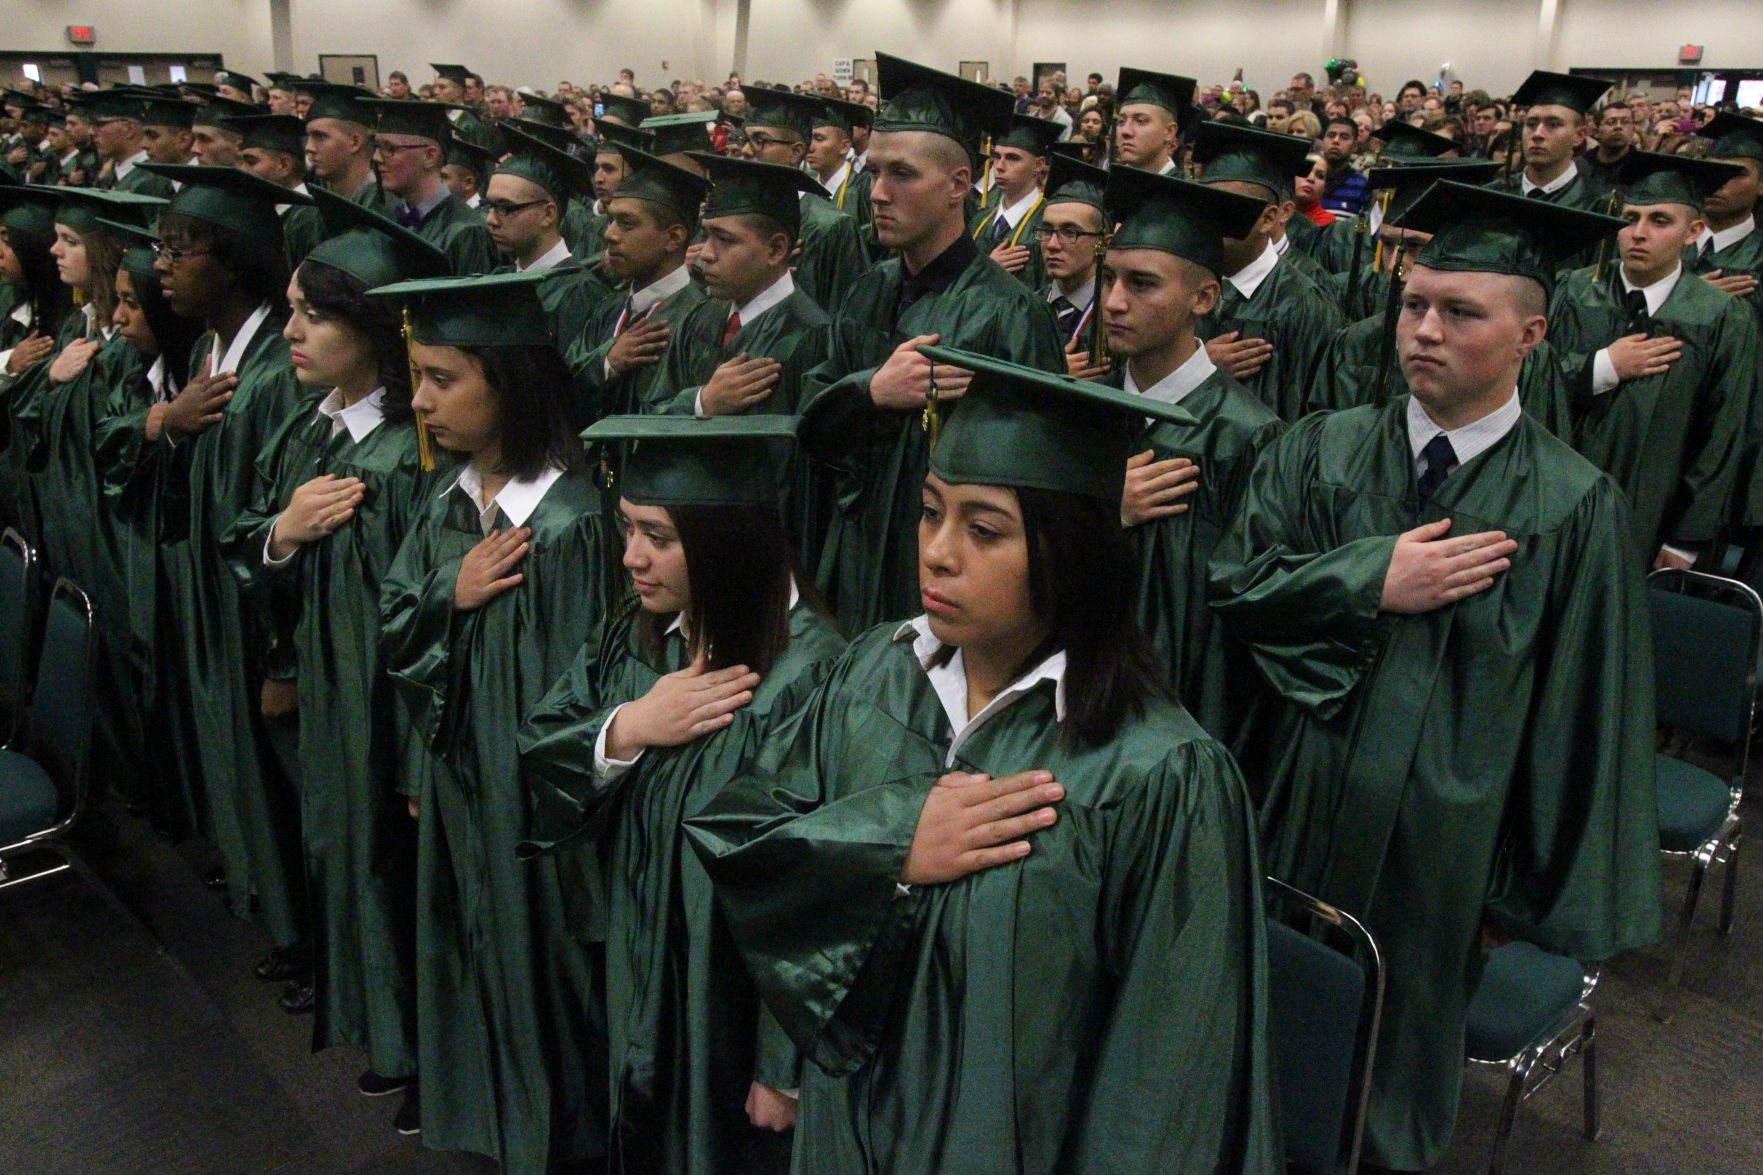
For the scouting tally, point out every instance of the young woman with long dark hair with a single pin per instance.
(670, 701)
(498, 585)
(977, 871)
(338, 488)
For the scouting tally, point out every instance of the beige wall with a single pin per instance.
(236, 29)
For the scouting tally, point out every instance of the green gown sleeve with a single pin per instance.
(418, 621)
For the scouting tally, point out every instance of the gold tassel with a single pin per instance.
(932, 420)
(1604, 245)
(1098, 338)
(1384, 206)
(425, 450)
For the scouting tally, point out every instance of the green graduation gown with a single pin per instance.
(1743, 256)
(459, 231)
(26, 389)
(641, 389)
(143, 182)
(581, 229)
(302, 230)
(833, 254)
(1017, 1019)
(225, 652)
(1293, 313)
(983, 227)
(1347, 378)
(1488, 762)
(510, 1020)
(1226, 430)
(360, 843)
(878, 458)
(683, 1020)
(1674, 442)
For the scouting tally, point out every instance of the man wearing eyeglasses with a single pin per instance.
(409, 150)
(119, 135)
(1070, 235)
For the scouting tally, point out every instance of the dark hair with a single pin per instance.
(532, 388)
(175, 333)
(104, 252)
(1341, 121)
(740, 570)
(1412, 84)
(331, 291)
(1080, 577)
(50, 298)
(258, 264)
(666, 216)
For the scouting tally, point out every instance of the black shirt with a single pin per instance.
(935, 277)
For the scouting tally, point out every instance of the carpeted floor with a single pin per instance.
(133, 1039)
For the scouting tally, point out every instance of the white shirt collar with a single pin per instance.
(838, 177)
(554, 256)
(360, 418)
(517, 499)
(1726, 238)
(1175, 386)
(1013, 215)
(1249, 278)
(21, 314)
(765, 299)
(1555, 185)
(1081, 298)
(282, 209)
(159, 379)
(1468, 442)
(128, 164)
(235, 351)
(949, 680)
(455, 115)
(476, 199)
(678, 622)
(1658, 291)
(643, 300)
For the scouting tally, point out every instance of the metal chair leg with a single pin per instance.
(1588, 1056)
(1691, 896)
(1730, 884)
(1509, 1110)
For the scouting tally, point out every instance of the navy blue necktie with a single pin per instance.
(1440, 459)
(409, 217)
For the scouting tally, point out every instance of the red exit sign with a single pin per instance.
(82, 34)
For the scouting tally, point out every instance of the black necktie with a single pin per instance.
(1440, 460)
(1066, 313)
(1000, 228)
(409, 217)
(1639, 320)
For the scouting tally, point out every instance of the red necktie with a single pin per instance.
(733, 325)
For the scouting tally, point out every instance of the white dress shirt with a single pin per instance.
(641, 303)
(1604, 376)
(517, 499)
(1468, 441)
(21, 314)
(1174, 387)
(360, 419)
(1248, 279)
(122, 169)
(949, 680)
(1726, 238)
(1567, 176)
(550, 259)
(749, 311)
(235, 348)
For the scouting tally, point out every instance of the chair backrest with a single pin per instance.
(1325, 1000)
(61, 705)
(18, 622)
(1706, 634)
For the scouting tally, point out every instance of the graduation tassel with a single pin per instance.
(985, 181)
(1383, 207)
(932, 420)
(1098, 341)
(1604, 245)
(1360, 231)
(425, 452)
(1386, 351)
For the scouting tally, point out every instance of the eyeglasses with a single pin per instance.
(761, 142)
(506, 208)
(173, 255)
(380, 147)
(1065, 232)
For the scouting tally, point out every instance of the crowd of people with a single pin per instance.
(779, 627)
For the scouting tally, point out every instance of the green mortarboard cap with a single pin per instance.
(1484, 230)
(562, 175)
(741, 186)
(160, 110)
(924, 99)
(1031, 134)
(137, 254)
(498, 310)
(1177, 216)
(453, 73)
(630, 111)
(238, 81)
(343, 103)
(1169, 91)
(19, 98)
(229, 197)
(845, 115)
(202, 90)
(1735, 136)
(1578, 94)
(1410, 182)
(783, 109)
(692, 461)
(660, 182)
(547, 111)
(1017, 426)
(617, 137)
(678, 134)
(29, 209)
(560, 138)
(480, 161)
(53, 115)
(404, 116)
(101, 104)
(284, 81)
(82, 208)
(1244, 154)
(1652, 178)
(221, 112)
(1403, 140)
(373, 249)
(1072, 181)
(272, 132)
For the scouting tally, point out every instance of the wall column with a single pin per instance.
(281, 36)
